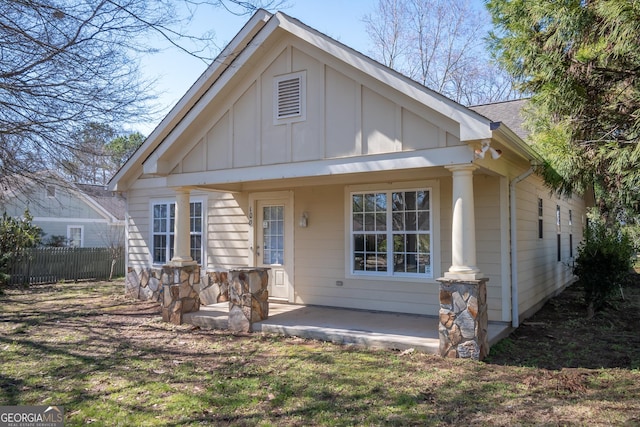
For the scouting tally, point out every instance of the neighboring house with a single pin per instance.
(84, 215)
(357, 186)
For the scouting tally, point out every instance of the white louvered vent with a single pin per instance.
(289, 97)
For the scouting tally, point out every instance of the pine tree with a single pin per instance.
(580, 61)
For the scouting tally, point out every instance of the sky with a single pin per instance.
(175, 71)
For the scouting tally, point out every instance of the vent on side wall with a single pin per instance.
(289, 97)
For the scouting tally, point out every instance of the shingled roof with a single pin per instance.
(507, 112)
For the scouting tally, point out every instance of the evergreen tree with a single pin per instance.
(580, 60)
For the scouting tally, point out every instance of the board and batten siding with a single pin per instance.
(347, 114)
(540, 274)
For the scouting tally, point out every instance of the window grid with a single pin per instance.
(402, 218)
(164, 221)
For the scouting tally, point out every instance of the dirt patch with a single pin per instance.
(561, 335)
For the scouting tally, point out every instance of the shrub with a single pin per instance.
(604, 261)
(16, 234)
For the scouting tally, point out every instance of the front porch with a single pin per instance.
(371, 329)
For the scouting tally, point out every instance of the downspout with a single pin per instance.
(514, 246)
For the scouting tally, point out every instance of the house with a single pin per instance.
(77, 215)
(357, 187)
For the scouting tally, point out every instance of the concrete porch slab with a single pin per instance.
(371, 329)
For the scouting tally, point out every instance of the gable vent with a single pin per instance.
(289, 97)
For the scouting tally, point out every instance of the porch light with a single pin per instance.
(304, 220)
(486, 146)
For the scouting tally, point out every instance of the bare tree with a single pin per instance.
(67, 63)
(439, 43)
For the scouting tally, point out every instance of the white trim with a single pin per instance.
(81, 227)
(168, 200)
(372, 163)
(81, 220)
(301, 113)
(278, 196)
(434, 209)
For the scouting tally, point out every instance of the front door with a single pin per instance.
(273, 241)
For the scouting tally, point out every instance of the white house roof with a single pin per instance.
(263, 25)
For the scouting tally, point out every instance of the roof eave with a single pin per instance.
(502, 133)
(191, 97)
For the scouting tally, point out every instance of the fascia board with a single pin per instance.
(191, 97)
(473, 126)
(155, 164)
(511, 140)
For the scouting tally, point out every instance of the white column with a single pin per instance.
(182, 232)
(463, 227)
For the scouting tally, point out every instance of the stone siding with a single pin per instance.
(248, 298)
(463, 319)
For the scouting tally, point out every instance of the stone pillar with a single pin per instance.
(181, 286)
(248, 298)
(182, 232)
(463, 319)
(463, 227)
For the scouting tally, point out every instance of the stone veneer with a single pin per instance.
(181, 286)
(178, 289)
(248, 298)
(463, 318)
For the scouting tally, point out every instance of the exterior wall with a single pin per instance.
(540, 275)
(55, 214)
(489, 244)
(225, 231)
(347, 115)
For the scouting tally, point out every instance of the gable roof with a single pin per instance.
(108, 204)
(113, 203)
(256, 35)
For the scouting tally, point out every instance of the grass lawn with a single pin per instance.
(111, 361)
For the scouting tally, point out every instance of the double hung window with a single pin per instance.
(391, 233)
(164, 215)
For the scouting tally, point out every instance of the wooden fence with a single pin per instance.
(50, 265)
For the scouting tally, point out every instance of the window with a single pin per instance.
(570, 234)
(540, 218)
(391, 233)
(164, 222)
(559, 233)
(75, 236)
(51, 191)
(289, 98)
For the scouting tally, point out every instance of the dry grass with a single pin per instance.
(110, 361)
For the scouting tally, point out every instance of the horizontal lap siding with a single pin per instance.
(540, 275)
(489, 239)
(227, 231)
(320, 262)
(138, 227)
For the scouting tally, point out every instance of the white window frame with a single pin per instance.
(71, 227)
(434, 210)
(290, 118)
(169, 247)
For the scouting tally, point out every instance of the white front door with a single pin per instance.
(273, 238)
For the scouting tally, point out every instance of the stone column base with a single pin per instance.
(181, 286)
(463, 318)
(248, 298)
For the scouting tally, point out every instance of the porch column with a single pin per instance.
(463, 289)
(182, 232)
(463, 226)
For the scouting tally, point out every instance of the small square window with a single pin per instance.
(51, 191)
